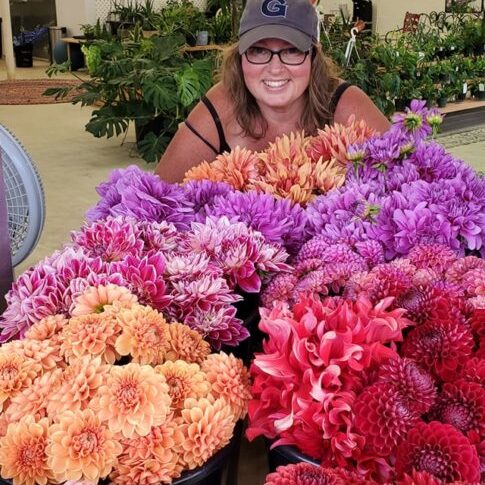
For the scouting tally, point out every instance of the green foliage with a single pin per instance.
(141, 80)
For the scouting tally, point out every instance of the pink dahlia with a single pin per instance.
(37, 293)
(280, 288)
(419, 478)
(432, 256)
(462, 404)
(415, 385)
(112, 239)
(473, 282)
(456, 272)
(158, 236)
(441, 347)
(441, 450)
(145, 278)
(384, 417)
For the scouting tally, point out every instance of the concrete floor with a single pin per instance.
(72, 163)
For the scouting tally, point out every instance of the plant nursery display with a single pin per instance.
(364, 254)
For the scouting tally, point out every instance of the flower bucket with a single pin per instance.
(286, 455)
(221, 469)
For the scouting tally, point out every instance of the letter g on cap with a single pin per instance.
(274, 8)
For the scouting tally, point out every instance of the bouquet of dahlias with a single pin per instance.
(114, 391)
(294, 167)
(191, 276)
(386, 380)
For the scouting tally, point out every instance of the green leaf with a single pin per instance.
(152, 146)
(160, 92)
(106, 122)
(58, 93)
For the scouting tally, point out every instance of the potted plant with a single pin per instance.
(444, 94)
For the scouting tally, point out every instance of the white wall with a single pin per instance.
(73, 13)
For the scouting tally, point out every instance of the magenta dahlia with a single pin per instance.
(384, 417)
(441, 450)
(440, 346)
(415, 385)
(461, 404)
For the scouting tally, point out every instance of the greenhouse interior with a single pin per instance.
(242, 242)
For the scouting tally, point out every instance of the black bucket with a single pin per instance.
(221, 469)
(286, 455)
(23, 55)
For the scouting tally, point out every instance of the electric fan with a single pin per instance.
(22, 207)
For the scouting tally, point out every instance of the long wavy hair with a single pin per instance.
(317, 113)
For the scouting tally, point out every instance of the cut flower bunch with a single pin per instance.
(114, 391)
(385, 380)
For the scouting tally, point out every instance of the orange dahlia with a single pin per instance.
(186, 344)
(207, 425)
(151, 458)
(23, 456)
(81, 447)
(229, 379)
(134, 399)
(333, 141)
(47, 328)
(144, 335)
(45, 352)
(93, 335)
(16, 373)
(97, 299)
(328, 175)
(184, 380)
(33, 399)
(236, 168)
(78, 384)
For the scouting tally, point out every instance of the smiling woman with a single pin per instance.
(275, 80)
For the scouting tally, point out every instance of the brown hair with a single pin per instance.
(317, 113)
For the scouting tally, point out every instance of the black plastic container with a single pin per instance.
(23, 55)
(286, 455)
(221, 469)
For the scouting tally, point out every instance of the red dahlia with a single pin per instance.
(474, 371)
(307, 474)
(387, 280)
(461, 404)
(440, 346)
(419, 478)
(384, 417)
(415, 385)
(439, 449)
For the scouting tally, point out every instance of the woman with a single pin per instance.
(274, 80)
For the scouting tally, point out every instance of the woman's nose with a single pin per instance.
(275, 63)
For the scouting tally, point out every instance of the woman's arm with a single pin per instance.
(186, 149)
(355, 102)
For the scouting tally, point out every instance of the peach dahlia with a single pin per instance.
(81, 447)
(23, 456)
(186, 344)
(134, 399)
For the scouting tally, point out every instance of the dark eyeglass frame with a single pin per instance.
(277, 53)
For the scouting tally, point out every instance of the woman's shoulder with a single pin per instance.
(220, 99)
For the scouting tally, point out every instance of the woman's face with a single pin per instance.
(276, 85)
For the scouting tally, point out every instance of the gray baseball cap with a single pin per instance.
(295, 21)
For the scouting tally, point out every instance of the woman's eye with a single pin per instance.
(292, 51)
(257, 50)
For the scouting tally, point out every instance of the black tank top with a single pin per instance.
(223, 145)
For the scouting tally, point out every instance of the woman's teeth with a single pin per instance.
(275, 84)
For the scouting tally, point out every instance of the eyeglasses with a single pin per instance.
(290, 56)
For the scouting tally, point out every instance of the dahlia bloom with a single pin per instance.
(280, 221)
(186, 344)
(81, 447)
(132, 400)
(112, 239)
(184, 381)
(16, 373)
(414, 120)
(134, 193)
(207, 425)
(307, 474)
(229, 379)
(441, 450)
(235, 168)
(150, 459)
(96, 299)
(334, 140)
(23, 456)
(144, 335)
(47, 328)
(94, 335)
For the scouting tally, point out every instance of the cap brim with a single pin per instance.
(295, 37)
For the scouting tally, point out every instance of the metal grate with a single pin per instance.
(17, 203)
